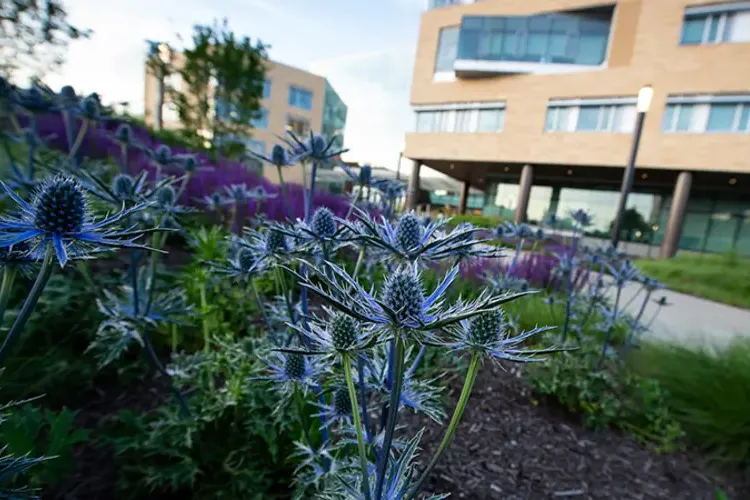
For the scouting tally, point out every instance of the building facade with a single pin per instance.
(534, 102)
(293, 99)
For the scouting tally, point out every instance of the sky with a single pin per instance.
(364, 47)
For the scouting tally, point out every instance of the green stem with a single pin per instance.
(79, 139)
(300, 403)
(29, 304)
(260, 302)
(283, 193)
(357, 426)
(174, 337)
(282, 284)
(360, 257)
(398, 383)
(157, 240)
(204, 321)
(471, 376)
(9, 276)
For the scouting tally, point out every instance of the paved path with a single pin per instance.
(691, 319)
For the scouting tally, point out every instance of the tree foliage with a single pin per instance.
(222, 83)
(34, 34)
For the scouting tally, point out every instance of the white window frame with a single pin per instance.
(607, 109)
(711, 12)
(702, 105)
(444, 120)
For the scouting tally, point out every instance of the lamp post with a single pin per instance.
(643, 103)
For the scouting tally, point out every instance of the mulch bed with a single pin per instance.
(510, 446)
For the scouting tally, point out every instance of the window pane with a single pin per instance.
(490, 120)
(692, 30)
(745, 118)
(713, 30)
(267, 89)
(738, 27)
(462, 120)
(564, 120)
(300, 98)
(721, 117)
(536, 45)
(261, 121)
(588, 117)
(685, 117)
(549, 124)
(669, 115)
(624, 120)
(447, 49)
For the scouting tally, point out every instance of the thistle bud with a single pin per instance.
(365, 175)
(294, 366)
(246, 259)
(323, 223)
(90, 106)
(404, 294)
(344, 331)
(342, 405)
(279, 156)
(163, 155)
(60, 206)
(277, 242)
(317, 146)
(189, 164)
(166, 196)
(408, 232)
(486, 327)
(123, 186)
(124, 134)
(68, 97)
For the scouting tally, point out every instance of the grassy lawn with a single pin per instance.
(723, 278)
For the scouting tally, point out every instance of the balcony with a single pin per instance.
(548, 43)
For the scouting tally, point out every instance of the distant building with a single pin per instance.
(534, 101)
(293, 99)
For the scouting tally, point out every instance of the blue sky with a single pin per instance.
(364, 47)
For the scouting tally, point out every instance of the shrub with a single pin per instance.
(708, 393)
(619, 398)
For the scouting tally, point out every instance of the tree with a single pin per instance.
(34, 34)
(632, 222)
(222, 83)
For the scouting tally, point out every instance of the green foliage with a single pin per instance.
(708, 392)
(236, 445)
(40, 432)
(478, 220)
(35, 35)
(237, 66)
(615, 397)
(723, 278)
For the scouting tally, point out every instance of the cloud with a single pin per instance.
(375, 86)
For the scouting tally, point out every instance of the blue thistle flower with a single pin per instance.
(36, 99)
(338, 412)
(59, 216)
(166, 196)
(123, 186)
(408, 232)
(316, 148)
(290, 370)
(279, 156)
(323, 223)
(489, 334)
(90, 108)
(214, 201)
(68, 99)
(244, 265)
(341, 335)
(403, 294)
(582, 217)
(277, 242)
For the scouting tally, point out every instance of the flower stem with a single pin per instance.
(357, 426)
(29, 304)
(260, 303)
(204, 322)
(300, 403)
(154, 359)
(283, 193)
(9, 276)
(81, 134)
(390, 426)
(471, 376)
(32, 147)
(358, 265)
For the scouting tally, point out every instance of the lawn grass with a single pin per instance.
(723, 278)
(708, 392)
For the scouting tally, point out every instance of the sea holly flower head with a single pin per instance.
(520, 231)
(36, 99)
(624, 272)
(408, 232)
(290, 370)
(341, 335)
(244, 265)
(166, 196)
(339, 411)
(123, 186)
(279, 156)
(59, 215)
(402, 306)
(316, 148)
(90, 108)
(214, 201)
(323, 223)
(582, 217)
(489, 333)
(124, 134)
(363, 178)
(67, 98)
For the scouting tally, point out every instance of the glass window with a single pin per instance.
(170, 112)
(300, 98)
(738, 27)
(669, 116)
(721, 117)
(447, 49)
(713, 28)
(624, 120)
(261, 121)
(745, 118)
(267, 88)
(463, 120)
(256, 146)
(572, 38)
(490, 120)
(550, 123)
(684, 118)
(300, 126)
(588, 118)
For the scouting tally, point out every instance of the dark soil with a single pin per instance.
(510, 446)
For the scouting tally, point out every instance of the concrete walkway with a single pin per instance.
(690, 320)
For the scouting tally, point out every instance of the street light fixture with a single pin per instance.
(645, 95)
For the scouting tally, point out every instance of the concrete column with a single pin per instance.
(524, 192)
(676, 215)
(554, 200)
(464, 199)
(412, 195)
